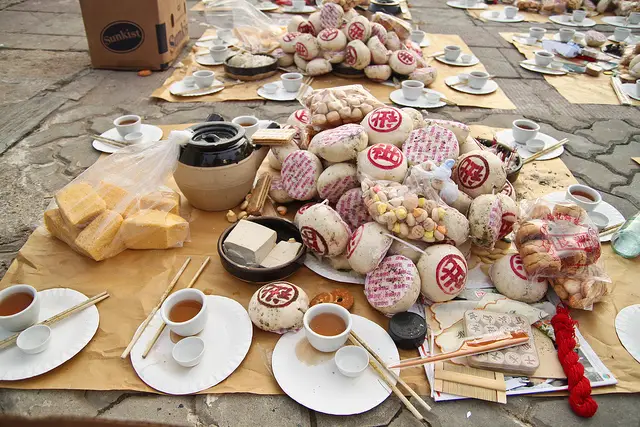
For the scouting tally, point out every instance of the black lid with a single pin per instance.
(407, 330)
(216, 144)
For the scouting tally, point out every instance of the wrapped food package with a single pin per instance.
(358, 55)
(443, 272)
(299, 118)
(403, 62)
(330, 108)
(307, 47)
(378, 73)
(460, 130)
(388, 125)
(407, 249)
(278, 307)
(288, 42)
(323, 231)
(300, 172)
(432, 143)
(379, 53)
(331, 15)
(393, 42)
(378, 31)
(332, 40)
(479, 172)
(491, 217)
(278, 193)
(416, 117)
(352, 209)
(336, 180)
(391, 23)
(367, 246)
(382, 162)
(394, 286)
(300, 213)
(318, 67)
(510, 279)
(426, 75)
(359, 28)
(336, 57)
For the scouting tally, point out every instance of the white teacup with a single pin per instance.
(530, 41)
(412, 89)
(417, 36)
(298, 4)
(219, 53)
(270, 88)
(566, 34)
(193, 326)
(323, 343)
(477, 79)
(27, 317)
(523, 130)
(433, 98)
(189, 81)
(579, 15)
(543, 58)
(466, 58)
(451, 52)
(585, 197)
(510, 12)
(128, 124)
(634, 18)
(495, 14)
(291, 81)
(621, 34)
(537, 32)
(249, 124)
(204, 78)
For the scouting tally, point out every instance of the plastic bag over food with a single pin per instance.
(121, 203)
(239, 19)
(330, 108)
(559, 242)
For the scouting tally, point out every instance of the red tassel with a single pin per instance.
(580, 398)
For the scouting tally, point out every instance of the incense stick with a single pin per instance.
(164, 325)
(144, 324)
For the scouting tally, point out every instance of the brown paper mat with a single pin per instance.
(136, 279)
(575, 88)
(529, 16)
(247, 91)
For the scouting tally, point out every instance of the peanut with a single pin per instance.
(244, 205)
(232, 217)
(242, 215)
(282, 210)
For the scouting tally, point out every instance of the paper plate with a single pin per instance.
(315, 381)
(463, 5)
(458, 62)
(68, 337)
(324, 269)
(397, 98)
(618, 21)
(280, 94)
(502, 17)
(227, 338)
(506, 137)
(150, 132)
(530, 65)
(180, 89)
(488, 88)
(630, 90)
(613, 215)
(627, 322)
(567, 20)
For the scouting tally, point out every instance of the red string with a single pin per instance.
(580, 398)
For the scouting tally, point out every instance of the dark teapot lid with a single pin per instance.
(216, 144)
(216, 136)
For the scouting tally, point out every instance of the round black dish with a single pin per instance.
(215, 144)
(390, 7)
(407, 330)
(342, 70)
(253, 73)
(285, 230)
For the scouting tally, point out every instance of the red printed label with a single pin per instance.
(301, 50)
(385, 156)
(356, 31)
(473, 171)
(451, 274)
(313, 240)
(354, 241)
(277, 295)
(306, 27)
(406, 57)
(508, 219)
(338, 135)
(385, 119)
(334, 189)
(351, 57)
(289, 37)
(516, 266)
(352, 209)
(329, 34)
(302, 116)
(431, 143)
(390, 281)
(299, 175)
(507, 190)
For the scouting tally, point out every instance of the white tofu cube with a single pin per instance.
(281, 254)
(249, 243)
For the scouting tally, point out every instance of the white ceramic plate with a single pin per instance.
(629, 40)
(506, 137)
(618, 21)
(306, 9)
(150, 132)
(266, 7)
(68, 337)
(180, 89)
(318, 385)
(502, 18)
(627, 322)
(458, 62)
(530, 64)
(206, 59)
(566, 20)
(397, 98)
(280, 94)
(488, 88)
(227, 339)
(613, 215)
(463, 5)
(208, 42)
(324, 269)
(630, 90)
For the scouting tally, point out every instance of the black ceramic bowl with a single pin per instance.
(253, 73)
(342, 70)
(285, 230)
(514, 172)
(390, 7)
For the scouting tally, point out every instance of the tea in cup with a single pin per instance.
(250, 124)
(128, 124)
(19, 307)
(451, 52)
(579, 15)
(477, 79)
(219, 53)
(510, 12)
(621, 34)
(523, 130)
(543, 58)
(185, 312)
(537, 32)
(566, 34)
(291, 81)
(204, 78)
(412, 89)
(585, 197)
(327, 326)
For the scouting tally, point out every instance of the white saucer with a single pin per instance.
(562, 20)
(281, 94)
(208, 42)
(458, 62)
(530, 65)
(618, 21)
(324, 269)
(613, 215)
(306, 9)
(576, 37)
(629, 40)
(68, 337)
(502, 18)
(488, 88)
(626, 324)
(150, 132)
(506, 137)
(179, 89)
(630, 90)
(266, 7)
(227, 339)
(315, 381)
(463, 5)
(206, 59)
(397, 98)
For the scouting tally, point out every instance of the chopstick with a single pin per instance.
(304, 86)
(545, 151)
(164, 325)
(617, 88)
(433, 55)
(110, 141)
(610, 229)
(164, 296)
(62, 315)
(375, 355)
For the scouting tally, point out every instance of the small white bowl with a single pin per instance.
(463, 77)
(599, 220)
(466, 58)
(35, 339)
(352, 360)
(134, 137)
(189, 81)
(188, 352)
(556, 65)
(270, 88)
(530, 40)
(534, 145)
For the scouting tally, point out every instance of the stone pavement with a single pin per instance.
(52, 99)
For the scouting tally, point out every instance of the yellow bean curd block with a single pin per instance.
(154, 229)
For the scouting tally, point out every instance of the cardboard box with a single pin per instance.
(135, 34)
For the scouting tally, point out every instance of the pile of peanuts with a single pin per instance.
(403, 212)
